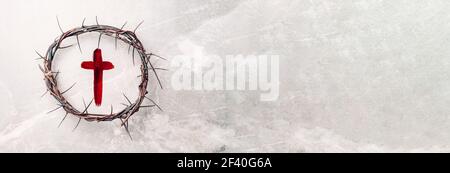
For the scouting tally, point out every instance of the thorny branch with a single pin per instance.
(126, 36)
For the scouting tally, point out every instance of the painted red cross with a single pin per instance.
(98, 65)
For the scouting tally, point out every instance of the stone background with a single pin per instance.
(355, 76)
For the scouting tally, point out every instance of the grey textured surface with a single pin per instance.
(355, 76)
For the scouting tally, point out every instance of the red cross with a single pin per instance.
(98, 65)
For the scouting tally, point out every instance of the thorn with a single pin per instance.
(147, 106)
(118, 35)
(126, 128)
(111, 110)
(99, 37)
(129, 47)
(69, 88)
(125, 121)
(82, 23)
(147, 60)
(158, 68)
(87, 107)
(133, 56)
(64, 47)
(124, 104)
(153, 103)
(96, 20)
(42, 69)
(63, 119)
(79, 46)
(40, 56)
(138, 26)
(127, 99)
(44, 93)
(152, 54)
(54, 110)
(123, 25)
(164, 69)
(57, 73)
(156, 74)
(115, 41)
(84, 103)
(78, 123)
(59, 25)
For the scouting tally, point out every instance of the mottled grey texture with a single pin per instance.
(355, 76)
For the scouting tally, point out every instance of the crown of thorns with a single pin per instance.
(129, 37)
